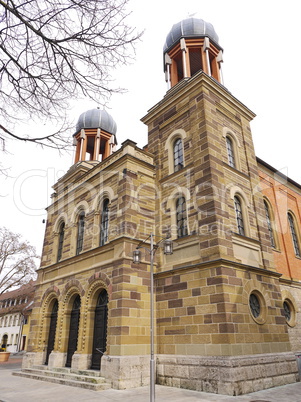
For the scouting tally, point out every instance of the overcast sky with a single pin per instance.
(261, 42)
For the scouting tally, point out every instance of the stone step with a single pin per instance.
(65, 374)
(97, 384)
(89, 373)
(41, 367)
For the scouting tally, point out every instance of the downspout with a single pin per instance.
(20, 332)
(22, 324)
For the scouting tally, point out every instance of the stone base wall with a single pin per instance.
(121, 372)
(292, 294)
(31, 359)
(226, 374)
(126, 371)
(57, 359)
(81, 361)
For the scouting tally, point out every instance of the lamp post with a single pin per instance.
(168, 249)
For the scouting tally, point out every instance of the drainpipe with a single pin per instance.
(22, 324)
(20, 332)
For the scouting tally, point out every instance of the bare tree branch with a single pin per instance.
(17, 260)
(54, 51)
(55, 140)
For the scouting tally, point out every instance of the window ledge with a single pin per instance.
(235, 170)
(175, 174)
(246, 238)
(276, 249)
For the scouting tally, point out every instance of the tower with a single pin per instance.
(219, 303)
(95, 136)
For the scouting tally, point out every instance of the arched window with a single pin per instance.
(80, 232)
(61, 241)
(269, 223)
(181, 217)
(178, 155)
(104, 228)
(294, 234)
(230, 152)
(239, 216)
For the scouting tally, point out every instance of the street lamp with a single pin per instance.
(137, 256)
(168, 249)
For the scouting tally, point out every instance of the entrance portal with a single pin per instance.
(73, 330)
(100, 330)
(52, 329)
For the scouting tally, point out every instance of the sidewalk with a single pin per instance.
(17, 389)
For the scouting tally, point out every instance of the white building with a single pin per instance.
(15, 308)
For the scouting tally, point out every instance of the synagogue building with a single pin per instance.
(226, 300)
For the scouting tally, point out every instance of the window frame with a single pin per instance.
(229, 134)
(61, 237)
(178, 154)
(181, 217)
(261, 315)
(104, 222)
(294, 234)
(169, 147)
(269, 221)
(289, 300)
(80, 232)
(230, 152)
(239, 215)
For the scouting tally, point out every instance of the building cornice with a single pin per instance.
(281, 177)
(217, 263)
(186, 86)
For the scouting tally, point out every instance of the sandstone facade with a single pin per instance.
(226, 300)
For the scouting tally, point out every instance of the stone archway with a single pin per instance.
(52, 330)
(100, 330)
(73, 330)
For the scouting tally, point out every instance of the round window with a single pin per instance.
(287, 311)
(257, 306)
(254, 305)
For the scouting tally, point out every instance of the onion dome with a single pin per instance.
(190, 28)
(95, 136)
(96, 118)
(191, 47)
